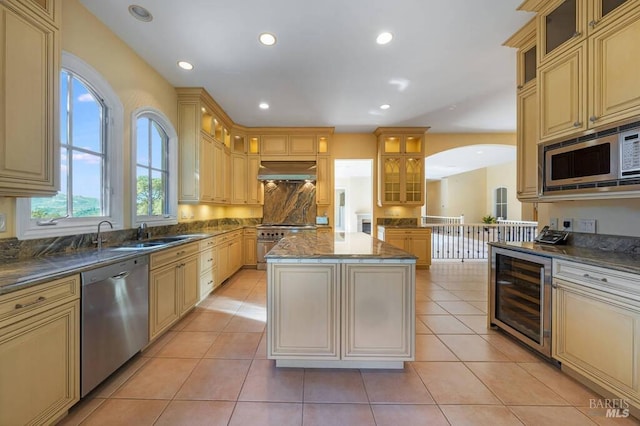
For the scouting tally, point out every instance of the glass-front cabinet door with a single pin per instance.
(413, 180)
(561, 26)
(391, 180)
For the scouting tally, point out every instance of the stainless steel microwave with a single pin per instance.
(582, 162)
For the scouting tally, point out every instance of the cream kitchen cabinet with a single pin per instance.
(204, 159)
(334, 314)
(587, 80)
(416, 241)
(284, 145)
(527, 112)
(596, 326)
(40, 352)
(173, 286)
(239, 181)
(207, 266)
(255, 188)
(29, 107)
(250, 246)
(324, 182)
(229, 255)
(401, 152)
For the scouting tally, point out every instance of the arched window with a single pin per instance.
(90, 158)
(154, 168)
(501, 203)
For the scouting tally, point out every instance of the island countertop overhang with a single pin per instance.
(356, 246)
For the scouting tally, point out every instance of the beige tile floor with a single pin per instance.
(211, 369)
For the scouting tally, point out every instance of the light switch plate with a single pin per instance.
(3, 222)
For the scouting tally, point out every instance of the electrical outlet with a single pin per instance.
(587, 226)
(3, 222)
(553, 223)
(567, 224)
(183, 214)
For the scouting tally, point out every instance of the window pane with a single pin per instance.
(87, 119)
(87, 184)
(157, 146)
(142, 191)
(64, 113)
(158, 193)
(142, 141)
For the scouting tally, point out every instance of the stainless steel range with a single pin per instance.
(270, 234)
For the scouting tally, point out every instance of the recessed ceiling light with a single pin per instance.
(264, 105)
(185, 65)
(140, 13)
(385, 106)
(267, 39)
(384, 38)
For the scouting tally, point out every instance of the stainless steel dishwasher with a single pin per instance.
(114, 318)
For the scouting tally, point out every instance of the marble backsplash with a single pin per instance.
(289, 202)
(14, 249)
(607, 243)
(397, 221)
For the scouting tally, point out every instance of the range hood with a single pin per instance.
(287, 170)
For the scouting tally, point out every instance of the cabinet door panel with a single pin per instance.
(164, 307)
(305, 299)
(28, 110)
(527, 145)
(223, 262)
(273, 145)
(562, 95)
(254, 186)
(239, 182)
(302, 145)
(421, 247)
(377, 312)
(323, 185)
(598, 336)
(615, 85)
(189, 283)
(39, 378)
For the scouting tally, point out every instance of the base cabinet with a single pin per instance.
(250, 247)
(596, 333)
(40, 353)
(415, 241)
(340, 313)
(229, 256)
(173, 286)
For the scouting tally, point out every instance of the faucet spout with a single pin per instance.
(99, 239)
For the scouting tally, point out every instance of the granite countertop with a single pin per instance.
(21, 274)
(338, 245)
(625, 262)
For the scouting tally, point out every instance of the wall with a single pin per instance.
(135, 82)
(503, 175)
(614, 217)
(438, 142)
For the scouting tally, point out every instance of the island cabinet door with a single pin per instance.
(303, 311)
(378, 313)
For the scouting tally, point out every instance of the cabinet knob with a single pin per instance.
(519, 86)
(577, 34)
(577, 124)
(593, 23)
(593, 119)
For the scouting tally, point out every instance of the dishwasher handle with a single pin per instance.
(121, 275)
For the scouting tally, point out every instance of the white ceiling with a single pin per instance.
(445, 68)
(467, 158)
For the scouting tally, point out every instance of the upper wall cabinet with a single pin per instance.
(527, 112)
(204, 147)
(401, 152)
(288, 145)
(589, 79)
(29, 76)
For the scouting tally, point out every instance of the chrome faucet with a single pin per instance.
(98, 239)
(142, 231)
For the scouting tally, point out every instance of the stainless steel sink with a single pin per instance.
(150, 244)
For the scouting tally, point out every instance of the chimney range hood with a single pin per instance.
(287, 170)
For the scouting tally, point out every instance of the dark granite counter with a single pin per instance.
(15, 275)
(625, 262)
(337, 245)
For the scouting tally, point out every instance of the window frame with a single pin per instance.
(500, 204)
(172, 153)
(27, 228)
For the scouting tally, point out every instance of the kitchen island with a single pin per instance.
(340, 301)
